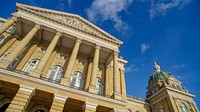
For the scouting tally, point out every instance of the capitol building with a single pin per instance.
(53, 61)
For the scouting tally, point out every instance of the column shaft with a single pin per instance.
(6, 25)
(92, 87)
(117, 85)
(58, 103)
(10, 58)
(37, 72)
(72, 60)
(123, 85)
(21, 99)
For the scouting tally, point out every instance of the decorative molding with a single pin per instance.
(59, 97)
(74, 22)
(27, 89)
(38, 26)
(58, 86)
(59, 33)
(90, 105)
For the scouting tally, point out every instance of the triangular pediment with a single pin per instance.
(74, 21)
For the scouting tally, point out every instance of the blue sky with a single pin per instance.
(165, 30)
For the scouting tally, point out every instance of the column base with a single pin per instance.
(117, 96)
(65, 81)
(36, 73)
(92, 89)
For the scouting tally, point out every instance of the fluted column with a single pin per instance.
(92, 87)
(72, 60)
(21, 99)
(37, 72)
(123, 85)
(10, 58)
(116, 75)
(7, 24)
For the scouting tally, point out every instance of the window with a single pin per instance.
(156, 89)
(80, 62)
(153, 91)
(62, 56)
(99, 86)
(183, 108)
(77, 80)
(31, 65)
(100, 68)
(2, 37)
(161, 108)
(16, 61)
(42, 50)
(56, 73)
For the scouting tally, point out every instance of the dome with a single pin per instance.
(159, 75)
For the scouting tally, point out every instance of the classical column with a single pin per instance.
(108, 80)
(21, 99)
(10, 58)
(7, 24)
(38, 71)
(92, 87)
(72, 60)
(123, 85)
(89, 107)
(58, 103)
(88, 76)
(116, 75)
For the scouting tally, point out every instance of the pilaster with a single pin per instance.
(58, 103)
(89, 107)
(21, 99)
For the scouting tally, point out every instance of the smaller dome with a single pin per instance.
(159, 75)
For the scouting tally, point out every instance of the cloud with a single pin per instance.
(109, 10)
(161, 7)
(131, 68)
(69, 2)
(61, 5)
(177, 66)
(144, 47)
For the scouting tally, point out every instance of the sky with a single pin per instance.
(167, 31)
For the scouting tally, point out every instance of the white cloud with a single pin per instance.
(144, 47)
(61, 5)
(131, 68)
(177, 66)
(161, 7)
(108, 10)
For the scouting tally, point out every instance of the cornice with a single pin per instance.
(103, 35)
(137, 101)
(61, 87)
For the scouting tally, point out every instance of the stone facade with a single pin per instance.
(55, 61)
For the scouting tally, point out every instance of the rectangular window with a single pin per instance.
(80, 62)
(62, 56)
(42, 50)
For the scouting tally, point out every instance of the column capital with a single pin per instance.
(122, 70)
(59, 97)
(59, 33)
(98, 46)
(38, 26)
(90, 105)
(78, 39)
(27, 89)
(16, 18)
(115, 52)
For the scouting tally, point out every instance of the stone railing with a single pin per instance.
(135, 98)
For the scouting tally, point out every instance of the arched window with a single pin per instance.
(56, 73)
(16, 61)
(99, 86)
(40, 109)
(77, 80)
(4, 106)
(183, 108)
(31, 65)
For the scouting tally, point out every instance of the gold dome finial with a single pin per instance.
(156, 66)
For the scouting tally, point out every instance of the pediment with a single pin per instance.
(73, 21)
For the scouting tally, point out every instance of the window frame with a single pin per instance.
(56, 73)
(82, 80)
(29, 62)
